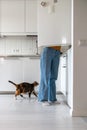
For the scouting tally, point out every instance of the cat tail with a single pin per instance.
(12, 82)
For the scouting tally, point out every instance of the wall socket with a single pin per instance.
(82, 42)
(55, 1)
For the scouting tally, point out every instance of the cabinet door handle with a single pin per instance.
(64, 66)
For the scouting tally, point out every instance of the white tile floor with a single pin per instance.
(25, 114)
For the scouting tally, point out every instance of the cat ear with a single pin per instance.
(36, 83)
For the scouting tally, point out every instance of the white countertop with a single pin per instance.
(64, 47)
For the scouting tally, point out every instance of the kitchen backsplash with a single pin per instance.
(19, 45)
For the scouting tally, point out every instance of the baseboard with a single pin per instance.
(7, 92)
(12, 92)
(78, 113)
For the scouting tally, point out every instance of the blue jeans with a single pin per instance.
(49, 64)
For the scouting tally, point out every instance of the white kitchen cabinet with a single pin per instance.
(18, 17)
(31, 16)
(22, 70)
(63, 75)
(12, 16)
(54, 22)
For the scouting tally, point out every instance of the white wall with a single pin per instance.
(79, 58)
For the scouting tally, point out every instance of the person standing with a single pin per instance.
(49, 65)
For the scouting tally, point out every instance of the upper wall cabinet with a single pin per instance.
(54, 22)
(12, 16)
(18, 17)
(31, 16)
